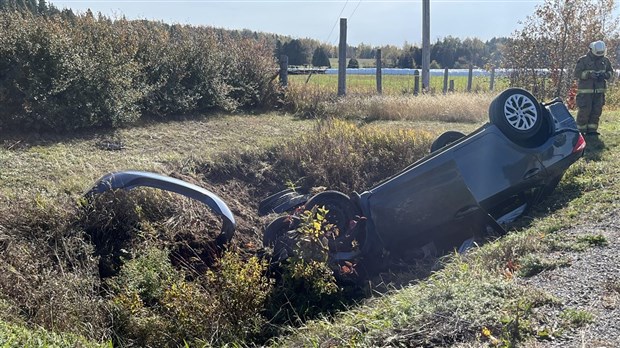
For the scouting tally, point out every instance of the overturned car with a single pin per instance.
(466, 185)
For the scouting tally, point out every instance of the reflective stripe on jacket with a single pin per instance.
(592, 64)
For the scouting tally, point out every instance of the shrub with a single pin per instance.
(346, 157)
(63, 73)
(156, 306)
(63, 76)
(308, 285)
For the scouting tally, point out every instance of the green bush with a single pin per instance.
(63, 73)
(62, 76)
(155, 305)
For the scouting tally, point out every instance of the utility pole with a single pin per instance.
(342, 58)
(426, 44)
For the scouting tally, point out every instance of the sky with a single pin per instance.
(372, 22)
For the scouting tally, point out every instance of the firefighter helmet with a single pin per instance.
(598, 48)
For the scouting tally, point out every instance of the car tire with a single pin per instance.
(341, 210)
(277, 236)
(518, 114)
(445, 139)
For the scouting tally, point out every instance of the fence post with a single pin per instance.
(342, 58)
(379, 67)
(470, 77)
(445, 80)
(284, 70)
(451, 86)
(416, 82)
(492, 83)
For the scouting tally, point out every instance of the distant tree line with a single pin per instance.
(450, 52)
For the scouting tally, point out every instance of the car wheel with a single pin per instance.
(277, 235)
(445, 139)
(281, 201)
(341, 210)
(517, 113)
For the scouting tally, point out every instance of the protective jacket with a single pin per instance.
(592, 73)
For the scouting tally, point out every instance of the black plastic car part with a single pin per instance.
(282, 201)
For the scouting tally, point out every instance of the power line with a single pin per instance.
(337, 20)
(355, 9)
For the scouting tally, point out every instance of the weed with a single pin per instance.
(578, 243)
(576, 317)
(531, 264)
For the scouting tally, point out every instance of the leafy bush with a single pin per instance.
(154, 304)
(307, 286)
(64, 73)
(63, 76)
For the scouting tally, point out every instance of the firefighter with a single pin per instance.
(592, 72)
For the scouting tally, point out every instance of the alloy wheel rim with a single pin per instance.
(520, 112)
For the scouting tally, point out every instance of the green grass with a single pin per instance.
(394, 84)
(49, 165)
(17, 336)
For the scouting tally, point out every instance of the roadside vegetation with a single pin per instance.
(126, 267)
(141, 268)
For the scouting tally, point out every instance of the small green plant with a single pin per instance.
(156, 305)
(579, 243)
(530, 265)
(308, 286)
(576, 317)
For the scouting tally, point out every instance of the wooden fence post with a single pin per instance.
(416, 82)
(379, 67)
(342, 58)
(492, 83)
(470, 77)
(445, 80)
(451, 86)
(284, 70)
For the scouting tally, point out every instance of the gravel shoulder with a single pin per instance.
(589, 283)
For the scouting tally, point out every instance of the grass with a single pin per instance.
(49, 165)
(18, 336)
(472, 298)
(394, 84)
(313, 101)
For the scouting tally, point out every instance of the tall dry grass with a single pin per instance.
(312, 101)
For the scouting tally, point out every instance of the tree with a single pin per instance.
(297, 53)
(553, 38)
(353, 64)
(407, 60)
(42, 7)
(320, 58)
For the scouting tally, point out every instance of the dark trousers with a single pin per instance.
(590, 109)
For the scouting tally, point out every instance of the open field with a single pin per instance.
(489, 297)
(394, 84)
